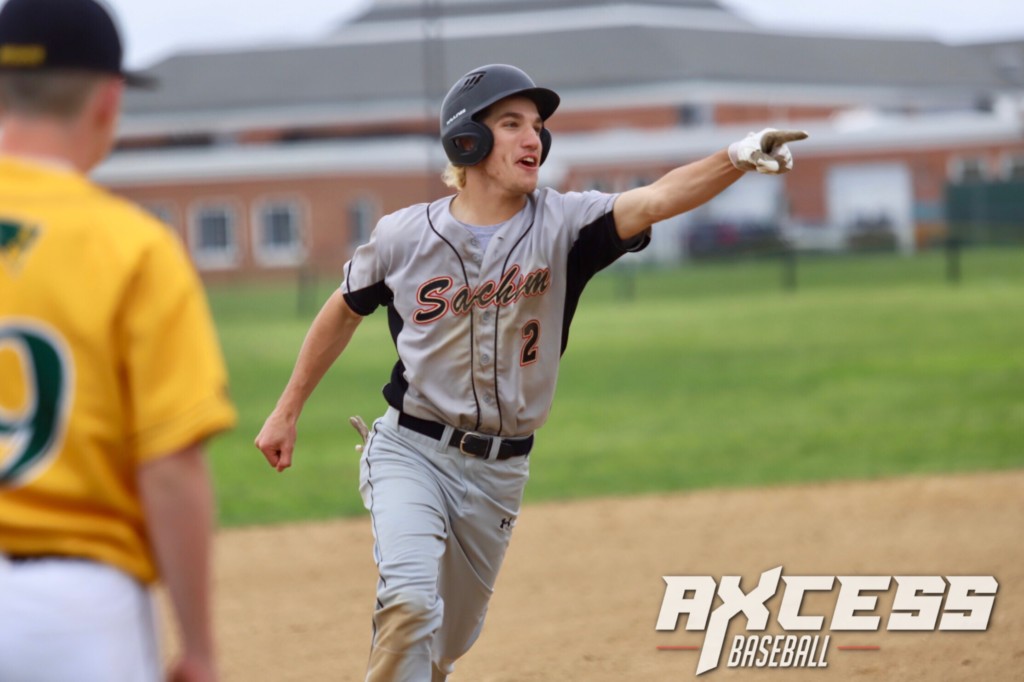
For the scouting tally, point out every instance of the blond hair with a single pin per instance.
(454, 176)
(57, 94)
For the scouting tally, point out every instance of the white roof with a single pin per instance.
(856, 132)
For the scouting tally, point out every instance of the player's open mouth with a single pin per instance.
(528, 162)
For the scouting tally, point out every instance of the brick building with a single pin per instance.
(277, 158)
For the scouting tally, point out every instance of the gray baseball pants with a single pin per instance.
(441, 523)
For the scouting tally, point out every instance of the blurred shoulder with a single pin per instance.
(130, 230)
(402, 223)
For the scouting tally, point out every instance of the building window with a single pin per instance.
(212, 237)
(1013, 168)
(362, 216)
(695, 115)
(279, 230)
(968, 169)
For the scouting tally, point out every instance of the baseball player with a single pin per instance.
(111, 378)
(480, 290)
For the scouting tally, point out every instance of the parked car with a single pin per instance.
(871, 233)
(727, 238)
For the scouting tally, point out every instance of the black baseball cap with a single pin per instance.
(46, 35)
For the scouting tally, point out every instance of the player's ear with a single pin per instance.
(99, 119)
(100, 111)
(107, 102)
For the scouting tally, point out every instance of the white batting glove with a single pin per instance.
(766, 151)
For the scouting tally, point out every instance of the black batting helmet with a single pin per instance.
(471, 95)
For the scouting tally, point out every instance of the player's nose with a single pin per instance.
(531, 140)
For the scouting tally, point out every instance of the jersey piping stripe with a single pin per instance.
(497, 310)
(348, 279)
(472, 336)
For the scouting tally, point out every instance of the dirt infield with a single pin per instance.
(582, 584)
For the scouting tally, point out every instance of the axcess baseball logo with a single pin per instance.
(959, 603)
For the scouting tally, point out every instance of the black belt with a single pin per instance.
(472, 444)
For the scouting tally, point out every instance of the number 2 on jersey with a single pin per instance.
(531, 335)
(28, 435)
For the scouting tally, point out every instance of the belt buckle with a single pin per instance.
(485, 441)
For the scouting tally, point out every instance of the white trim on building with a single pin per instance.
(414, 154)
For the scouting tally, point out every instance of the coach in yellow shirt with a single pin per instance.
(111, 378)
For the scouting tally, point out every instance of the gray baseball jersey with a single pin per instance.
(480, 333)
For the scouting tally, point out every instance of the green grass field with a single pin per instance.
(710, 375)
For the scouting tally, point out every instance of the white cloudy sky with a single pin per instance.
(154, 30)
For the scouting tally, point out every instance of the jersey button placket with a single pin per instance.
(483, 360)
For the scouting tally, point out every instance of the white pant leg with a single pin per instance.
(401, 490)
(481, 529)
(442, 522)
(67, 620)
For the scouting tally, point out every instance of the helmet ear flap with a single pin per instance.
(469, 144)
(545, 144)
(472, 141)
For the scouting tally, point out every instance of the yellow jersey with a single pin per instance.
(108, 359)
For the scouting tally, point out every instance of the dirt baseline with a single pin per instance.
(582, 584)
